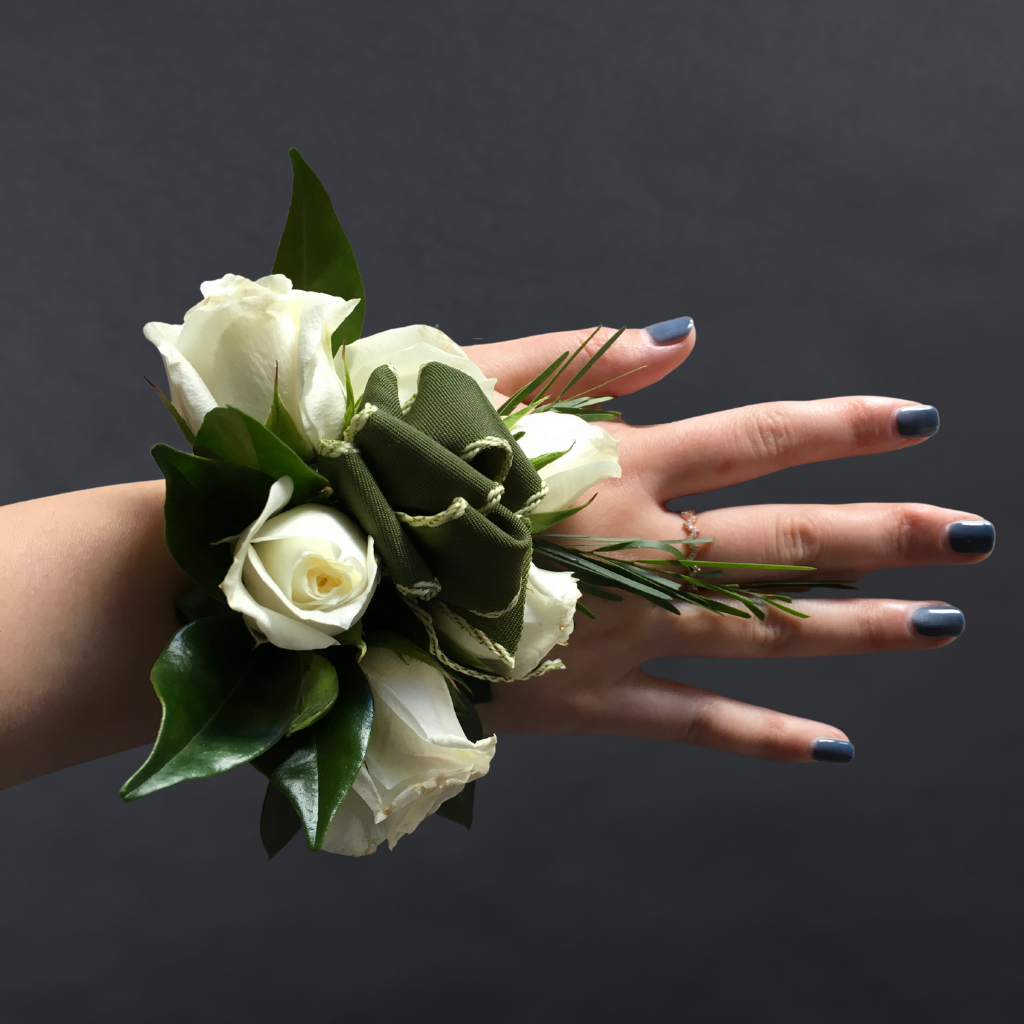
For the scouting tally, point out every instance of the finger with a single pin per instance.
(646, 355)
(661, 709)
(638, 704)
(729, 447)
(843, 541)
(834, 627)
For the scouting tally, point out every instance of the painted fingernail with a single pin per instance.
(972, 537)
(833, 751)
(668, 332)
(917, 421)
(934, 622)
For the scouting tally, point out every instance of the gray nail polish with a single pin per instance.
(833, 751)
(917, 421)
(972, 537)
(670, 331)
(935, 622)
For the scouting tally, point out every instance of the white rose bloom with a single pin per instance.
(547, 620)
(592, 455)
(417, 758)
(232, 344)
(405, 350)
(301, 577)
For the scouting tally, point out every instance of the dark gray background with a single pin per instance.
(833, 191)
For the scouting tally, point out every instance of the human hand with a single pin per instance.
(603, 689)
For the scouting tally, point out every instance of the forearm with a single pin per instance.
(86, 605)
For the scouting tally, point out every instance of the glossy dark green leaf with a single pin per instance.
(232, 436)
(207, 502)
(281, 424)
(225, 702)
(353, 637)
(196, 603)
(317, 766)
(278, 821)
(401, 645)
(318, 691)
(460, 807)
(314, 251)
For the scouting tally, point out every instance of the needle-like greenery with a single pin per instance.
(599, 575)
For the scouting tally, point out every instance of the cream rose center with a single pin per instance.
(313, 575)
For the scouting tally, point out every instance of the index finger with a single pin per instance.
(637, 358)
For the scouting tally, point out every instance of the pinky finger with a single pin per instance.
(662, 709)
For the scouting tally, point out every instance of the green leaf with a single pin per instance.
(581, 607)
(353, 637)
(589, 588)
(723, 565)
(583, 402)
(593, 359)
(552, 369)
(401, 645)
(196, 603)
(458, 653)
(225, 701)
(278, 821)
(316, 767)
(540, 461)
(317, 693)
(596, 417)
(207, 502)
(541, 521)
(350, 396)
(182, 425)
(281, 425)
(233, 436)
(460, 807)
(314, 251)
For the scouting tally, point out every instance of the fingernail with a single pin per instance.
(833, 751)
(670, 331)
(917, 421)
(938, 621)
(972, 537)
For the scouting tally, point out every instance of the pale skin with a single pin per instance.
(87, 585)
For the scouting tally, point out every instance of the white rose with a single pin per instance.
(301, 577)
(417, 758)
(547, 620)
(592, 454)
(232, 344)
(405, 350)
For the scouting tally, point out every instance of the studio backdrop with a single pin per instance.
(833, 192)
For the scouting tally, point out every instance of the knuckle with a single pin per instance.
(909, 521)
(798, 537)
(776, 634)
(699, 722)
(770, 431)
(774, 735)
(863, 423)
(875, 630)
